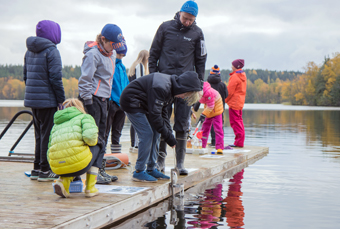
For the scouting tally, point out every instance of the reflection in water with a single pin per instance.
(234, 210)
(212, 210)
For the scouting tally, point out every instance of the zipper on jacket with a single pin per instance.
(97, 87)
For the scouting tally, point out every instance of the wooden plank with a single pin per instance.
(32, 204)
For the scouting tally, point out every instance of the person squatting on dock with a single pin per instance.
(145, 101)
(212, 114)
(237, 94)
(95, 82)
(73, 148)
(179, 46)
(44, 90)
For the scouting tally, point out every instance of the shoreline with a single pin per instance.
(247, 106)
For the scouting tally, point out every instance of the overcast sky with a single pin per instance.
(268, 34)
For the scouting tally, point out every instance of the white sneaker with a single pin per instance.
(135, 150)
(131, 149)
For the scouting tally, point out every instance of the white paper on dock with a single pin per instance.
(236, 151)
(212, 156)
(168, 169)
(112, 189)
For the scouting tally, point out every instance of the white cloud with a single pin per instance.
(268, 34)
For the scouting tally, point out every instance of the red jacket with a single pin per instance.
(237, 89)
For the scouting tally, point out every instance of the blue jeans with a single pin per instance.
(148, 141)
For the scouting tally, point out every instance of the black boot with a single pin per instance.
(181, 138)
(104, 174)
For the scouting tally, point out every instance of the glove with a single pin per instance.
(171, 141)
(196, 106)
(90, 109)
(60, 106)
(201, 119)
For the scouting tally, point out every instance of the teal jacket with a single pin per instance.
(72, 134)
(120, 81)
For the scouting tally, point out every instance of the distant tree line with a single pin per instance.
(12, 85)
(318, 86)
(265, 75)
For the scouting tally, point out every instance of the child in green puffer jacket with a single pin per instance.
(72, 148)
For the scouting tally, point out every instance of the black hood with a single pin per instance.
(38, 44)
(180, 25)
(186, 82)
(214, 79)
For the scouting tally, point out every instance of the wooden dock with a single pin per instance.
(32, 204)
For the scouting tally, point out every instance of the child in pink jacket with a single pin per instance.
(212, 114)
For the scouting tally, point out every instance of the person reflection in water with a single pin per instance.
(233, 207)
(210, 210)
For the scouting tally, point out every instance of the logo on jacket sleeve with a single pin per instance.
(203, 48)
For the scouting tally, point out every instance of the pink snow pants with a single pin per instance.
(219, 134)
(236, 122)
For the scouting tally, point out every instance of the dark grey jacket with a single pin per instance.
(215, 81)
(42, 74)
(176, 49)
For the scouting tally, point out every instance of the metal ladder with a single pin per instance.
(25, 157)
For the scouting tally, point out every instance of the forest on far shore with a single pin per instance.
(319, 85)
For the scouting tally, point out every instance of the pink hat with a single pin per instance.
(239, 63)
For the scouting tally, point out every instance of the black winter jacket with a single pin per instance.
(215, 81)
(42, 74)
(176, 49)
(152, 93)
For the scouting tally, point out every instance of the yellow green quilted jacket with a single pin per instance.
(72, 134)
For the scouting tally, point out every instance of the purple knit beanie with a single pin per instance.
(239, 63)
(49, 30)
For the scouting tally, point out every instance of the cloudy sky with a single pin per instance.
(268, 34)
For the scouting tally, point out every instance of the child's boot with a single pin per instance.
(62, 186)
(91, 180)
(219, 151)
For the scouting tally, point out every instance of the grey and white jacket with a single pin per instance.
(96, 73)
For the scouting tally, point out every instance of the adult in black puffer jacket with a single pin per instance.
(44, 90)
(214, 79)
(145, 102)
(177, 47)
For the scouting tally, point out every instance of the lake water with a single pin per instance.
(296, 185)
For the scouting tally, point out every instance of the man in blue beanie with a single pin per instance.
(177, 47)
